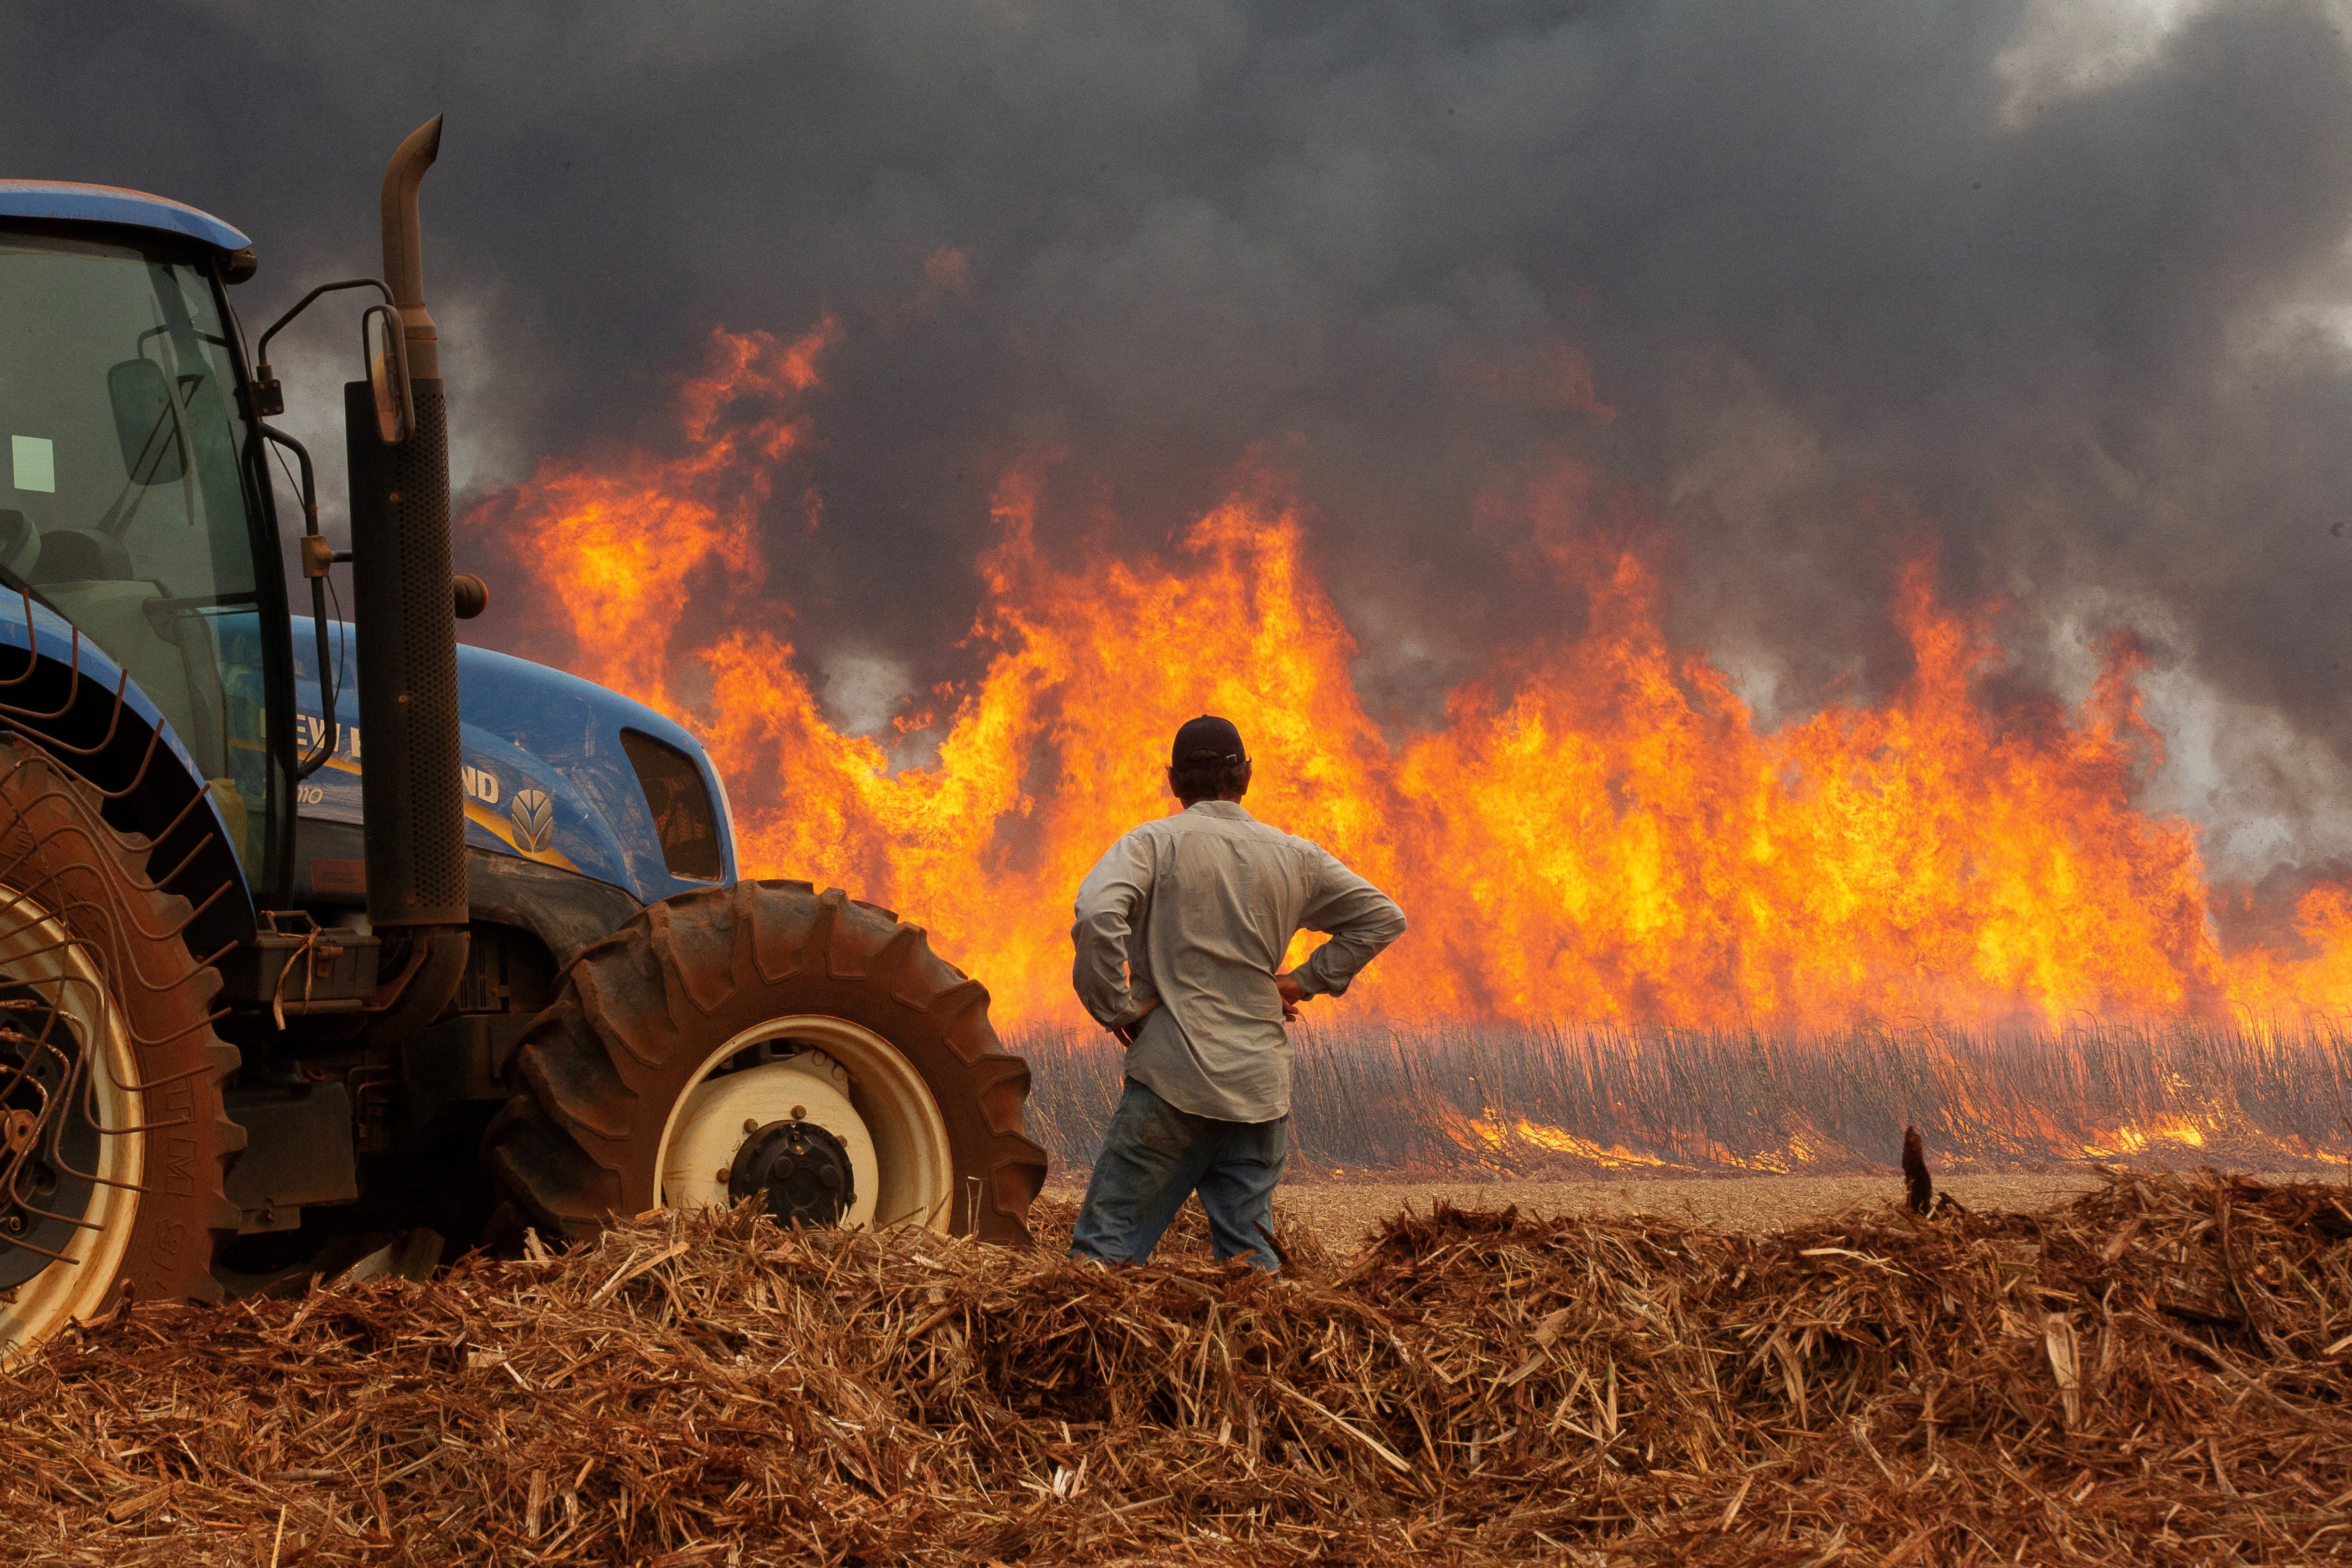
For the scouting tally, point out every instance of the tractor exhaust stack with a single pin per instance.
(404, 245)
(410, 780)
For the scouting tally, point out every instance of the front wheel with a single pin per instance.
(765, 1041)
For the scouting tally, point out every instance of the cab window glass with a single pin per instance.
(122, 500)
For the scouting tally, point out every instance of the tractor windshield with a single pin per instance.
(123, 503)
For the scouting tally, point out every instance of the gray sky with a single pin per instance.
(2057, 290)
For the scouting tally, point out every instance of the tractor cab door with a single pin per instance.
(125, 496)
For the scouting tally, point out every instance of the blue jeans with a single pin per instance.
(1155, 1155)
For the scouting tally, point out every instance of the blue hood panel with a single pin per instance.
(524, 729)
(546, 777)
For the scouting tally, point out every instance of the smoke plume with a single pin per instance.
(2053, 296)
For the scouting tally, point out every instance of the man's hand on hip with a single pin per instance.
(1126, 1031)
(1293, 993)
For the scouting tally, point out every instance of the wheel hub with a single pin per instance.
(799, 1169)
(72, 1127)
(806, 1068)
(734, 1140)
(46, 1144)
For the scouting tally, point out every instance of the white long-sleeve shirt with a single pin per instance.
(1197, 909)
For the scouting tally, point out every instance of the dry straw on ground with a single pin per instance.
(2151, 1373)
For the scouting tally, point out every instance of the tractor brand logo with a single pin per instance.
(534, 820)
(310, 730)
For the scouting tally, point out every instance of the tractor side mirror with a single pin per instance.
(146, 421)
(382, 337)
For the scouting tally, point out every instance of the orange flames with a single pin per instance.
(1598, 831)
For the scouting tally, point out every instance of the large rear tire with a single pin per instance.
(113, 1143)
(748, 1018)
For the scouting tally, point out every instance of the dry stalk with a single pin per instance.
(1474, 1388)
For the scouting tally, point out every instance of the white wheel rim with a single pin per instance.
(38, 952)
(888, 1109)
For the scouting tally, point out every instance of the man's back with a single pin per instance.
(1199, 909)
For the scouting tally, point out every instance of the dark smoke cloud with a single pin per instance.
(2057, 290)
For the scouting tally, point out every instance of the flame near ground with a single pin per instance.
(1504, 1099)
(1598, 831)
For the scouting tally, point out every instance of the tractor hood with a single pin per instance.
(557, 771)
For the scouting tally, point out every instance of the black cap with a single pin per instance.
(1209, 735)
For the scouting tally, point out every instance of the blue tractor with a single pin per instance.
(327, 946)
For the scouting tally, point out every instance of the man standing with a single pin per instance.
(1180, 931)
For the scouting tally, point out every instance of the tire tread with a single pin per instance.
(597, 1073)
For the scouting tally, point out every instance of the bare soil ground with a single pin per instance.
(1343, 1212)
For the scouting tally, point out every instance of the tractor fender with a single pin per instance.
(565, 911)
(81, 707)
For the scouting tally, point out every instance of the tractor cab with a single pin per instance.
(128, 504)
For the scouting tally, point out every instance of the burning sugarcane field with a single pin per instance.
(980, 783)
